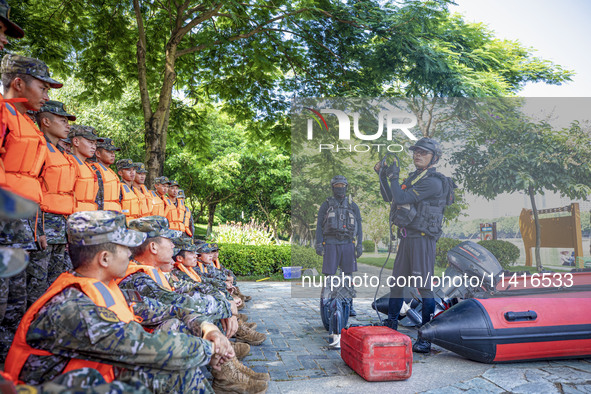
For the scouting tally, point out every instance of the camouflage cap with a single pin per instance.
(107, 144)
(161, 180)
(140, 168)
(12, 29)
(17, 64)
(57, 108)
(67, 140)
(12, 261)
(153, 226)
(204, 248)
(214, 247)
(124, 163)
(98, 227)
(13, 206)
(183, 243)
(173, 183)
(87, 132)
(180, 193)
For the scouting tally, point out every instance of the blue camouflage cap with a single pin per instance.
(180, 193)
(124, 164)
(98, 227)
(173, 183)
(13, 206)
(107, 144)
(12, 261)
(57, 108)
(88, 132)
(12, 29)
(183, 243)
(17, 64)
(205, 248)
(153, 226)
(162, 180)
(140, 168)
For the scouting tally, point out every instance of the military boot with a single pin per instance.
(250, 336)
(246, 297)
(242, 317)
(241, 306)
(255, 375)
(241, 349)
(231, 380)
(251, 325)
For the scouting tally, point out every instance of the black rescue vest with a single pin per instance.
(340, 221)
(427, 215)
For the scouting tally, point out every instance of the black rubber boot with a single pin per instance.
(421, 346)
(390, 323)
(352, 311)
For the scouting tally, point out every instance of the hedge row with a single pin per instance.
(255, 259)
(249, 260)
(505, 252)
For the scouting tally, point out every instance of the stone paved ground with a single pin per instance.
(298, 359)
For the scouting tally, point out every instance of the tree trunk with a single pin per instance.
(210, 217)
(538, 228)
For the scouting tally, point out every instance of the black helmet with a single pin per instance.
(429, 144)
(338, 179)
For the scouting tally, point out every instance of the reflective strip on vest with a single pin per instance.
(86, 186)
(110, 187)
(57, 183)
(130, 204)
(109, 297)
(23, 154)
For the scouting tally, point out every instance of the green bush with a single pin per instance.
(305, 257)
(255, 259)
(443, 246)
(504, 251)
(369, 246)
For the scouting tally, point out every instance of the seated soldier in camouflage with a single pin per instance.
(216, 261)
(83, 320)
(145, 274)
(208, 269)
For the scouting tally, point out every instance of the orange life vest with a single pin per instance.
(202, 267)
(143, 201)
(149, 199)
(110, 187)
(158, 205)
(86, 186)
(130, 204)
(184, 215)
(106, 296)
(23, 152)
(175, 222)
(216, 263)
(189, 271)
(155, 273)
(57, 183)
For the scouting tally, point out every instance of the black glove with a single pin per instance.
(393, 171)
(358, 250)
(320, 250)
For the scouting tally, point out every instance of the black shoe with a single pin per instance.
(391, 323)
(352, 311)
(421, 346)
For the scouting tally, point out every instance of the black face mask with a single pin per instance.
(339, 192)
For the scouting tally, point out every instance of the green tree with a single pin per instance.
(509, 153)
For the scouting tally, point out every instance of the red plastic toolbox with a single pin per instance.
(377, 353)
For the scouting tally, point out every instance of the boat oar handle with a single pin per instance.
(520, 316)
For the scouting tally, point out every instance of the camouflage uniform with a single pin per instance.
(71, 325)
(86, 380)
(157, 226)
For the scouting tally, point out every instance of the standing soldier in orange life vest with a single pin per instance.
(183, 215)
(146, 204)
(159, 207)
(130, 203)
(84, 140)
(26, 84)
(108, 182)
(57, 184)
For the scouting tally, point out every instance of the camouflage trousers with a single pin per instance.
(13, 302)
(159, 381)
(44, 268)
(85, 380)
